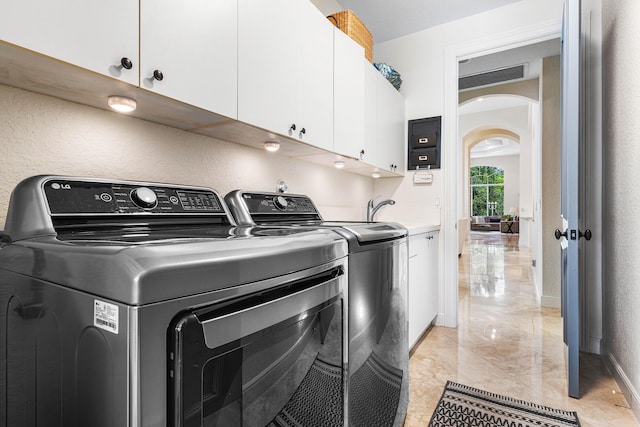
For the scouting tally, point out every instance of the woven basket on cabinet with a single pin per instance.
(351, 25)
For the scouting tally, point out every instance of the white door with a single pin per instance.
(572, 142)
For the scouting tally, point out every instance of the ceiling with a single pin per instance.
(390, 19)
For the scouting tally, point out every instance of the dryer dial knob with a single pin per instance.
(144, 197)
(280, 202)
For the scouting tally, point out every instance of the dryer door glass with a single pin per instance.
(262, 360)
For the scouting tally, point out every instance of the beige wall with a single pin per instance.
(419, 58)
(621, 234)
(551, 127)
(45, 135)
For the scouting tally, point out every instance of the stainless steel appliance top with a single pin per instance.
(140, 242)
(263, 208)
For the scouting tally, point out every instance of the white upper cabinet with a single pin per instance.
(194, 45)
(390, 143)
(348, 96)
(285, 69)
(371, 76)
(191, 45)
(93, 34)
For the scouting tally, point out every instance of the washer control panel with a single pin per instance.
(72, 197)
(266, 203)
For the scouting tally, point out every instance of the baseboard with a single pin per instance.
(446, 321)
(595, 345)
(551, 302)
(627, 389)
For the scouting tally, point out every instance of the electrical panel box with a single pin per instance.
(424, 143)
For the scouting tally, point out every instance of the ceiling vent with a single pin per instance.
(491, 77)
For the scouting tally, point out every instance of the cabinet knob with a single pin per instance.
(157, 75)
(293, 127)
(126, 63)
(362, 154)
(303, 131)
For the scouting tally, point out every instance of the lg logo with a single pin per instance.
(57, 186)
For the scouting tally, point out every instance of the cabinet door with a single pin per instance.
(433, 294)
(285, 69)
(314, 60)
(391, 142)
(91, 34)
(193, 43)
(419, 282)
(267, 63)
(348, 96)
(370, 113)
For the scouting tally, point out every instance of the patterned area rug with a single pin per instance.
(461, 405)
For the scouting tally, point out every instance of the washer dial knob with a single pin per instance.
(144, 197)
(280, 202)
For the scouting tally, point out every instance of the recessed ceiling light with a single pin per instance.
(272, 146)
(122, 104)
(338, 164)
(480, 99)
(376, 175)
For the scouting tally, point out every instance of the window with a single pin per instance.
(487, 190)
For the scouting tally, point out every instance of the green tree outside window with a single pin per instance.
(487, 190)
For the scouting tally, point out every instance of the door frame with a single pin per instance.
(452, 152)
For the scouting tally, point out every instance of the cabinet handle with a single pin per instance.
(423, 158)
(126, 63)
(293, 127)
(362, 154)
(157, 75)
(303, 131)
(423, 140)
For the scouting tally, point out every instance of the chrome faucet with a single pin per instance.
(372, 209)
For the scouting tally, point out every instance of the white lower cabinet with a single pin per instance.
(423, 283)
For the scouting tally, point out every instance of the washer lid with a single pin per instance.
(371, 232)
(140, 243)
(150, 271)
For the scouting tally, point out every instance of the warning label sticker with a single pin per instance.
(105, 316)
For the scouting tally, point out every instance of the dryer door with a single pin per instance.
(273, 358)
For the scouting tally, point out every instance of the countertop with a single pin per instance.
(421, 228)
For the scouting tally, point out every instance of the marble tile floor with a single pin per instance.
(505, 343)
